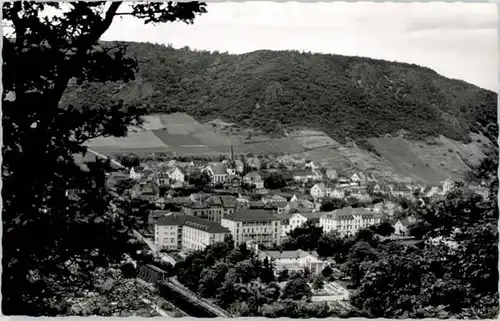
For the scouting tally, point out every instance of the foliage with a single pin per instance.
(297, 289)
(359, 97)
(41, 56)
(299, 310)
(199, 178)
(129, 160)
(274, 180)
(283, 275)
(361, 253)
(333, 204)
(333, 245)
(383, 229)
(318, 283)
(304, 237)
(455, 275)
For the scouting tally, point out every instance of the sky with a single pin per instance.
(458, 40)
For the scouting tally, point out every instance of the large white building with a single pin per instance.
(294, 261)
(348, 220)
(187, 233)
(257, 225)
(290, 222)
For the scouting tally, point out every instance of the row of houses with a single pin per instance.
(257, 225)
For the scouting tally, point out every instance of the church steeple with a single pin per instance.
(231, 153)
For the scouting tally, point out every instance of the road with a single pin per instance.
(106, 157)
(152, 246)
(176, 285)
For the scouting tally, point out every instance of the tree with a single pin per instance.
(455, 274)
(333, 245)
(130, 160)
(383, 229)
(304, 237)
(297, 289)
(274, 180)
(327, 272)
(319, 282)
(212, 278)
(283, 275)
(41, 57)
(199, 179)
(267, 272)
(333, 204)
(361, 252)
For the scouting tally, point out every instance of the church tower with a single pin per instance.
(231, 153)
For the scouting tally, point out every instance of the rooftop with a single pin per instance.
(289, 254)
(251, 215)
(348, 213)
(191, 221)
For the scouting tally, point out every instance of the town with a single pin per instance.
(291, 160)
(260, 202)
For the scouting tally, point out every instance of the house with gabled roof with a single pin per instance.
(136, 172)
(401, 226)
(254, 178)
(146, 191)
(273, 199)
(217, 172)
(401, 190)
(348, 220)
(176, 174)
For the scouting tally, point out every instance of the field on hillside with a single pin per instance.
(181, 134)
(398, 159)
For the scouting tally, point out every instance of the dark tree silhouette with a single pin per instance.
(51, 244)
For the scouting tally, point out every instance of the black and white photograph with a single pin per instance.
(250, 159)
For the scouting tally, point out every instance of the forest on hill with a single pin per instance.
(350, 98)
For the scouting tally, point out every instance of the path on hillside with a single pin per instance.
(105, 157)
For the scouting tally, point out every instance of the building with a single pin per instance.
(331, 173)
(294, 261)
(402, 191)
(146, 191)
(212, 208)
(306, 175)
(240, 167)
(310, 165)
(253, 163)
(401, 226)
(136, 172)
(305, 201)
(348, 220)
(257, 225)
(273, 199)
(387, 207)
(217, 173)
(176, 175)
(290, 222)
(187, 233)
(254, 178)
(320, 190)
(161, 178)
